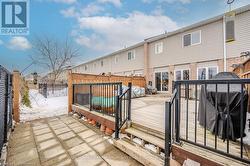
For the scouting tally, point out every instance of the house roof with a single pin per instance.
(201, 23)
(161, 36)
(113, 53)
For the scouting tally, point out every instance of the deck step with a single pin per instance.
(152, 139)
(148, 130)
(202, 156)
(138, 153)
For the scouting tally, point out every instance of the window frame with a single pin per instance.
(181, 73)
(158, 44)
(191, 42)
(207, 74)
(132, 53)
(116, 59)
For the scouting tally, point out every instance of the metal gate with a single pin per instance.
(5, 105)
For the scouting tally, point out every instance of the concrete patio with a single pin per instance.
(62, 140)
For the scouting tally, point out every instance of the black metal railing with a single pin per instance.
(123, 113)
(5, 105)
(211, 115)
(168, 126)
(99, 97)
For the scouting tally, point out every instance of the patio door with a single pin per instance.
(161, 81)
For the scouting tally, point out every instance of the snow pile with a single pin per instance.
(151, 147)
(138, 141)
(42, 107)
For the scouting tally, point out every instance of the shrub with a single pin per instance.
(25, 98)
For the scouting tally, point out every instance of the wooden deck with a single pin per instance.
(150, 112)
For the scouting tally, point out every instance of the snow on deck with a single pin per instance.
(43, 107)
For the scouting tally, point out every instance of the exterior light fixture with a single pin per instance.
(246, 53)
(236, 65)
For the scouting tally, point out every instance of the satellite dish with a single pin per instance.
(230, 1)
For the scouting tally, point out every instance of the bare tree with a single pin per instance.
(54, 55)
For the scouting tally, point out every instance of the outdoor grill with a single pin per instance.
(221, 105)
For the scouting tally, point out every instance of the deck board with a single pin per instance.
(150, 112)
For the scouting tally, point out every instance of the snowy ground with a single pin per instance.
(42, 107)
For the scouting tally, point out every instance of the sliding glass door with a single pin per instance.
(161, 81)
(158, 81)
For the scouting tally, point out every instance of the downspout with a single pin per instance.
(224, 44)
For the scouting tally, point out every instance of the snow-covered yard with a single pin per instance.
(42, 107)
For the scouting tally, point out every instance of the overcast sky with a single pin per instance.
(100, 27)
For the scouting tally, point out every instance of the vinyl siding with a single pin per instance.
(211, 47)
(109, 65)
(242, 36)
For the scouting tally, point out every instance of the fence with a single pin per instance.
(99, 97)
(5, 104)
(106, 98)
(123, 109)
(76, 78)
(53, 90)
(90, 78)
(215, 120)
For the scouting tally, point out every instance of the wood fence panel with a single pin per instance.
(243, 71)
(89, 78)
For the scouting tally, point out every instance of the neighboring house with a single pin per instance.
(193, 52)
(62, 78)
(30, 80)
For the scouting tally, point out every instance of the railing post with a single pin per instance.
(129, 100)
(120, 104)
(117, 112)
(90, 97)
(167, 133)
(177, 112)
(73, 92)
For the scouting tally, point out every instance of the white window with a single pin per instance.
(159, 48)
(192, 39)
(101, 63)
(131, 55)
(86, 67)
(182, 74)
(205, 73)
(116, 59)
